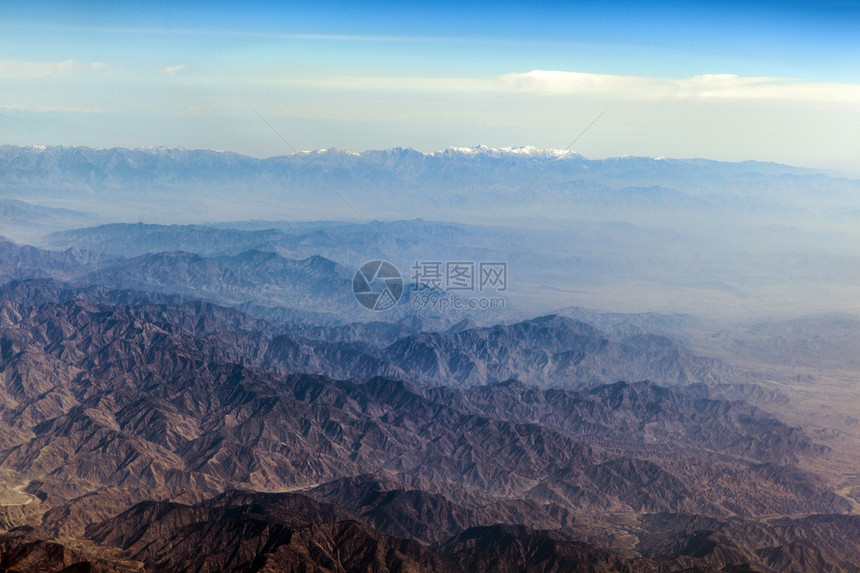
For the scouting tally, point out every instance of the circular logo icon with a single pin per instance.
(377, 285)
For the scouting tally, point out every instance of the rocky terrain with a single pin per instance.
(127, 415)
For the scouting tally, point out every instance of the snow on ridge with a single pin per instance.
(326, 150)
(525, 151)
(157, 149)
(483, 150)
(522, 151)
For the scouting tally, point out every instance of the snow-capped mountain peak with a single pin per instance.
(520, 151)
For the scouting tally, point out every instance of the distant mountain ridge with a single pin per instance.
(127, 158)
(394, 183)
(594, 233)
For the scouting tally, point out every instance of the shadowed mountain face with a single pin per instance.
(278, 532)
(550, 350)
(273, 532)
(122, 377)
(265, 276)
(253, 279)
(116, 400)
(546, 351)
(25, 262)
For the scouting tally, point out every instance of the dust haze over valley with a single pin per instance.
(558, 287)
(630, 234)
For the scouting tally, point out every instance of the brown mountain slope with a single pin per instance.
(107, 405)
(242, 531)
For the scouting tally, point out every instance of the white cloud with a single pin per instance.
(705, 86)
(552, 82)
(173, 70)
(30, 70)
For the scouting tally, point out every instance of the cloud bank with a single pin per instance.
(705, 86)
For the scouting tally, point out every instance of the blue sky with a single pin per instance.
(769, 80)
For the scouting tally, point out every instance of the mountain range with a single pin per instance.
(665, 381)
(110, 405)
